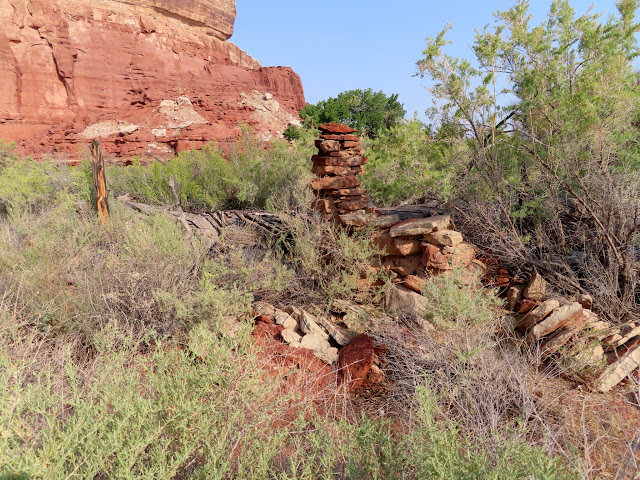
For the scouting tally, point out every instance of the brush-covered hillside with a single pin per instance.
(371, 297)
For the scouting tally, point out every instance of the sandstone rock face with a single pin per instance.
(148, 77)
(218, 15)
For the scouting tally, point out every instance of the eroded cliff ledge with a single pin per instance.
(149, 77)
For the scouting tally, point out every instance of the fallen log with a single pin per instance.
(240, 227)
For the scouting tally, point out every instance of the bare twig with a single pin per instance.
(183, 219)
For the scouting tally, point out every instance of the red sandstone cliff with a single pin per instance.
(148, 77)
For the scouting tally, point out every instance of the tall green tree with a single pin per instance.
(367, 111)
(544, 121)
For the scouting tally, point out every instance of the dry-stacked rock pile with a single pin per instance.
(570, 334)
(300, 329)
(418, 247)
(419, 242)
(354, 354)
(421, 245)
(416, 240)
(339, 161)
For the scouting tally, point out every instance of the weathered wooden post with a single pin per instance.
(99, 181)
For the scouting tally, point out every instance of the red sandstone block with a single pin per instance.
(402, 265)
(348, 153)
(336, 128)
(346, 192)
(328, 145)
(433, 258)
(322, 170)
(324, 205)
(329, 136)
(355, 204)
(331, 183)
(339, 161)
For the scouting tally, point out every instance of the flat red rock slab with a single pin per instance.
(355, 203)
(333, 183)
(352, 161)
(336, 128)
(349, 152)
(346, 192)
(323, 170)
(352, 138)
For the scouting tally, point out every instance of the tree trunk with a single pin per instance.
(99, 181)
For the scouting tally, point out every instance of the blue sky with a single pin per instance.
(342, 45)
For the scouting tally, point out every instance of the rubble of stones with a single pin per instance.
(416, 249)
(560, 330)
(338, 163)
(339, 343)
(569, 333)
(417, 243)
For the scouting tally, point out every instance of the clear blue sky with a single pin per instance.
(342, 45)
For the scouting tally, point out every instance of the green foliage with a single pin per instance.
(292, 133)
(326, 263)
(442, 453)
(154, 415)
(455, 302)
(541, 115)
(367, 111)
(255, 272)
(198, 411)
(28, 186)
(250, 174)
(554, 87)
(67, 275)
(407, 163)
(6, 150)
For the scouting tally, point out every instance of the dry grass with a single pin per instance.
(584, 244)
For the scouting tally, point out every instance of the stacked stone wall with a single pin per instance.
(420, 241)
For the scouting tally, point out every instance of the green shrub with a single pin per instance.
(292, 133)
(330, 263)
(6, 150)
(29, 186)
(456, 302)
(203, 179)
(249, 174)
(135, 415)
(408, 164)
(543, 122)
(67, 274)
(369, 112)
(441, 452)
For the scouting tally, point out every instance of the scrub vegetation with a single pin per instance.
(126, 350)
